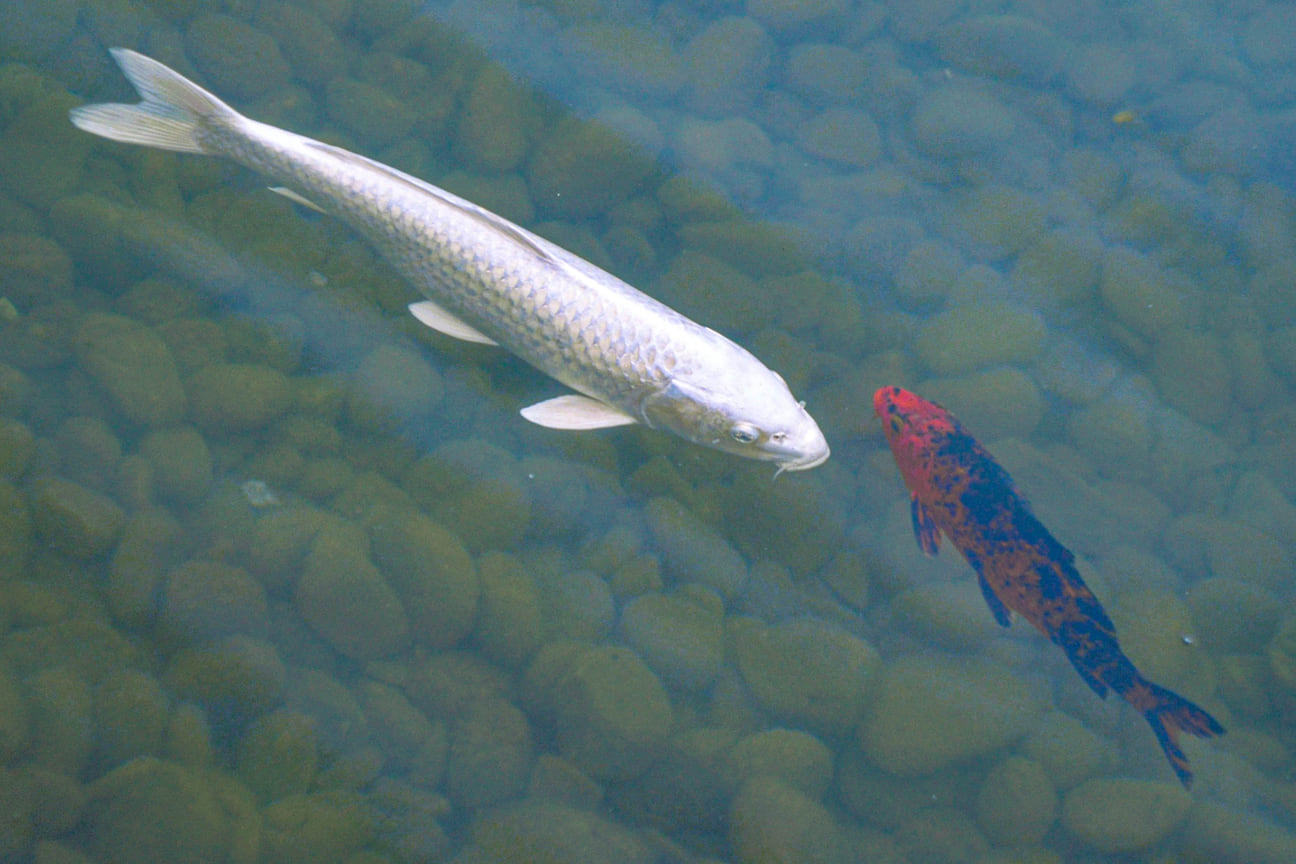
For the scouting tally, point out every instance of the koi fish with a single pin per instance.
(958, 489)
(630, 358)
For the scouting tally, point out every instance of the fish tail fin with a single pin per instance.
(169, 115)
(1168, 714)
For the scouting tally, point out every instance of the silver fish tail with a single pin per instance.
(629, 357)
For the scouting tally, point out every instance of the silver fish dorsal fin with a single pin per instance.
(296, 198)
(432, 315)
(576, 412)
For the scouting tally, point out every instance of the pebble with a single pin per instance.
(728, 66)
(151, 811)
(806, 672)
(238, 61)
(74, 520)
(844, 135)
(958, 120)
(796, 758)
(134, 366)
(1017, 803)
(344, 598)
(972, 336)
(692, 550)
(562, 834)
(1145, 298)
(680, 636)
(1124, 816)
(181, 463)
(1008, 47)
(432, 573)
(237, 397)
(770, 821)
(934, 711)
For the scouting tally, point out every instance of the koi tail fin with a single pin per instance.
(169, 115)
(1168, 714)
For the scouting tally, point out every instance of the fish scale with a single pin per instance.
(633, 358)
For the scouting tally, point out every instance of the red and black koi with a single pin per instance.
(958, 489)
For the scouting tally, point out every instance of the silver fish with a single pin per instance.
(632, 359)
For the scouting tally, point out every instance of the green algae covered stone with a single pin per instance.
(806, 672)
(132, 363)
(77, 521)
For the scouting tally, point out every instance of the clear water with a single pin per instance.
(286, 577)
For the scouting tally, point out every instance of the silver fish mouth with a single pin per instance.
(805, 463)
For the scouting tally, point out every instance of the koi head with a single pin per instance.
(908, 421)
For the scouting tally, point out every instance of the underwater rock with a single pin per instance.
(957, 121)
(797, 759)
(1017, 803)
(207, 600)
(1192, 375)
(610, 711)
(496, 123)
(432, 573)
(61, 709)
(395, 381)
(130, 714)
(972, 336)
(75, 520)
(34, 270)
(693, 551)
(490, 754)
(307, 42)
(1213, 832)
(844, 135)
(181, 463)
(535, 830)
(320, 826)
(237, 397)
(769, 821)
(132, 363)
(728, 64)
(935, 711)
(637, 61)
(805, 671)
(575, 604)
(1008, 47)
(278, 755)
(238, 61)
(509, 621)
(474, 489)
(238, 675)
(156, 812)
(1102, 73)
(1002, 402)
(825, 73)
(344, 598)
(680, 636)
(15, 531)
(1122, 816)
(580, 169)
(1145, 298)
(950, 615)
(1067, 750)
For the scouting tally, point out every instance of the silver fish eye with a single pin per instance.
(744, 433)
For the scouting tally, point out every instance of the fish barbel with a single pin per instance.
(630, 358)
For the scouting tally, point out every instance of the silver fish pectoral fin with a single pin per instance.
(576, 412)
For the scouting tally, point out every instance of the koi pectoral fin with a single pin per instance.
(997, 608)
(925, 528)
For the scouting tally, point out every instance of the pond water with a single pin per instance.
(284, 576)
